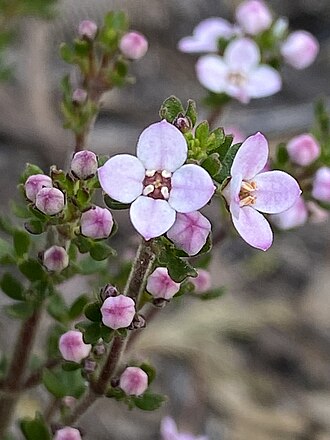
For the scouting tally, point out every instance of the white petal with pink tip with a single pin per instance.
(251, 157)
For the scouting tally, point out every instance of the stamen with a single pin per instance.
(165, 192)
(166, 174)
(248, 186)
(248, 200)
(150, 173)
(148, 190)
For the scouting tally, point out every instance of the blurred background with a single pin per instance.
(254, 364)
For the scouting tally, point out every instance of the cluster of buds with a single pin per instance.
(39, 190)
(233, 64)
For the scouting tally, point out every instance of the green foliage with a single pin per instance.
(32, 270)
(227, 163)
(92, 312)
(149, 370)
(148, 401)
(211, 294)
(12, 287)
(61, 383)
(21, 310)
(21, 242)
(113, 204)
(36, 428)
(178, 268)
(171, 108)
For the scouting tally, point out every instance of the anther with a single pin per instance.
(166, 174)
(150, 173)
(148, 190)
(165, 192)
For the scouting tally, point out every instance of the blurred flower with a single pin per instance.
(202, 282)
(67, 433)
(35, 183)
(50, 201)
(79, 96)
(303, 149)
(300, 49)
(293, 217)
(118, 311)
(87, 29)
(253, 16)
(84, 164)
(169, 431)
(316, 213)
(238, 73)
(206, 35)
(133, 381)
(133, 45)
(321, 184)
(161, 285)
(55, 259)
(73, 347)
(156, 181)
(250, 191)
(96, 223)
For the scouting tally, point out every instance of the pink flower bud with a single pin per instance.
(303, 149)
(293, 217)
(300, 49)
(87, 29)
(133, 45)
(118, 311)
(202, 282)
(316, 213)
(79, 96)
(50, 201)
(69, 401)
(73, 347)
(55, 259)
(35, 183)
(134, 381)
(84, 164)
(253, 16)
(96, 223)
(321, 185)
(161, 285)
(67, 433)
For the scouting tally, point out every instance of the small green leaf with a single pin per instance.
(12, 287)
(171, 108)
(30, 170)
(67, 54)
(32, 270)
(21, 310)
(150, 371)
(34, 226)
(211, 294)
(227, 163)
(282, 155)
(21, 242)
(113, 204)
(62, 383)
(92, 312)
(34, 429)
(77, 307)
(92, 333)
(70, 366)
(101, 251)
(106, 333)
(212, 164)
(178, 268)
(54, 334)
(57, 308)
(149, 401)
(191, 111)
(202, 133)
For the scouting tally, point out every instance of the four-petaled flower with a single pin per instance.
(251, 190)
(157, 181)
(238, 73)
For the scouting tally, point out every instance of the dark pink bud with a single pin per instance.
(72, 346)
(161, 285)
(134, 381)
(133, 45)
(107, 291)
(50, 201)
(87, 29)
(96, 223)
(89, 366)
(202, 282)
(55, 259)
(79, 96)
(84, 164)
(35, 183)
(118, 311)
(67, 433)
(303, 149)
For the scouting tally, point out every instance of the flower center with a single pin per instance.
(237, 79)
(157, 184)
(246, 196)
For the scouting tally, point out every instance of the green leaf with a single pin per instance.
(116, 20)
(106, 333)
(217, 139)
(223, 149)
(92, 333)
(77, 307)
(12, 287)
(53, 337)
(202, 133)
(178, 268)
(101, 251)
(227, 163)
(191, 111)
(21, 242)
(63, 383)
(211, 294)
(149, 401)
(212, 164)
(150, 371)
(57, 308)
(35, 226)
(21, 310)
(282, 155)
(171, 108)
(216, 99)
(70, 366)
(92, 312)
(84, 244)
(67, 54)
(32, 270)
(30, 170)
(113, 204)
(34, 429)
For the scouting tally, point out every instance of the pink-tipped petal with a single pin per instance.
(161, 146)
(253, 228)
(263, 81)
(242, 55)
(190, 232)
(212, 73)
(151, 217)
(121, 177)
(293, 217)
(192, 188)
(276, 192)
(251, 157)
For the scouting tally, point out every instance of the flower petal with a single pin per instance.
(241, 55)
(161, 146)
(151, 217)
(293, 217)
(276, 192)
(212, 73)
(253, 228)
(251, 157)
(263, 81)
(192, 188)
(121, 177)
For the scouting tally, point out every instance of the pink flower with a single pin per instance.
(118, 311)
(156, 181)
(133, 45)
(87, 29)
(67, 433)
(190, 232)
(238, 73)
(321, 184)
(253, 16)
(84, 164)
(79, 96)
(206, 35)
(35, 183)
(202, 282)
(250, 191)
(300, 49)
(169, 431)
(316, 213)
(50, 201)
(96, 223)
(161, 285)
(303, 149)
(293, 217)
(55, 259)
(72, 346)
(133, 381)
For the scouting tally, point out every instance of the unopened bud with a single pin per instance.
(87, 29)
(321, 185)
(84, 164)
(303, 149)
(118, 311)
(55, 259)
(35, 183)
(139, 322)
(202, 282)
(133, 45)
(107, 291)
(182, 123)
(161, 285)
(99, 350)
(79, 96)
(133, 381)
(73, 347)
(89, 366)
(96, 223)
(67, 433)
(50, 201)
(300, 49)
(253, 16)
